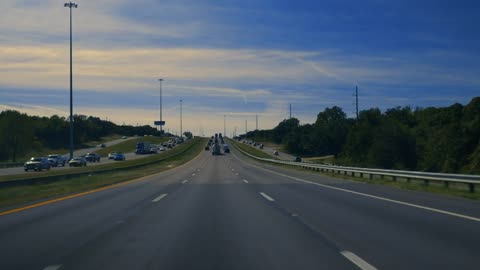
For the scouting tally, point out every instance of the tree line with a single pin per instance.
(424, 139)
(22, 134)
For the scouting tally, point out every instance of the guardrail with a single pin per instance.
(59, 177)
(395, 175)
(11, 164)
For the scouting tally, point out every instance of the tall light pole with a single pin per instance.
(181, 133)
(71, 5)
(224, 125)
(160, 80)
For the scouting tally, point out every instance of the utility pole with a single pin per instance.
(235, 133)
(290, 111)
(356, 100)
(256, 121)
(245, 127)
(224, 125)
(181, 134)
(71, 5)
(160, 108)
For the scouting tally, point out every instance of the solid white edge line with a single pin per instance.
(246, 182)
(53, 267)
(267, 197)
(373, 196)
(357, 260)
(160, 197)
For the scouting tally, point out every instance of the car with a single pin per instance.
(77, 162)
(275, 153)
(61, 160)
(153, 149)
(111, 155)
(124, 137)
(103, 145)
(53, 162)
(119, 156)
(260, 146)
(207, 148)
(161, 149)
(92, 157)
(37, 164)
(297, 159)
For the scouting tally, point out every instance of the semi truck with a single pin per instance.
(143, 148)
(216, 149)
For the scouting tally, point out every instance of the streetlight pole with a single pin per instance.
(71, 5)
(181, 133)
(224, 125)
(160, 80)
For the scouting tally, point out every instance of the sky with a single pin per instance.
(235, 60)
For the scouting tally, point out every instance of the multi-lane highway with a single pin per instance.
(229, 212)
(103, 160)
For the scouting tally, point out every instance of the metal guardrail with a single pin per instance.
(11, 164)
(426, 177)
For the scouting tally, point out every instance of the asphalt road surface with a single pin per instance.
(229, 212)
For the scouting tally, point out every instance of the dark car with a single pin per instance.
(297, 159)
(37, 164)
(119, 156)
(207, 148)
(92, 157)
(60, 160)
(77, 162)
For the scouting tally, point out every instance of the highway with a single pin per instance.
(229, 212)
(103, 160)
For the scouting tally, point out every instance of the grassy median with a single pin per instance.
(22, 194)
(251, 150)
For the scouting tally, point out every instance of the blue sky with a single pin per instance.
(237, 58)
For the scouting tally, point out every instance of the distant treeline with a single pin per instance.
(424, 139)
(21, 134)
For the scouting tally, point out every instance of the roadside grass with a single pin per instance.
(22, 194)
(129, 145)
(105, 139)
(454, 189)
(321, 160)
(251, 150)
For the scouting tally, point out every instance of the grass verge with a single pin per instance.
(129, 145)
(21, 194)
(251, 150)
(454, 189)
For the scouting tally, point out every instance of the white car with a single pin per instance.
(112, 155)
(161, 149)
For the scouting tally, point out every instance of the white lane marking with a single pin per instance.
(233, 170)
(246, 182)
(373, 196)
(267, 197)
(52, 267)
(357, 260)
(160, 197)
(184, 181)
(193, 174)
(237, 173)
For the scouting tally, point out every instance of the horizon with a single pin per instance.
(236, 59)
